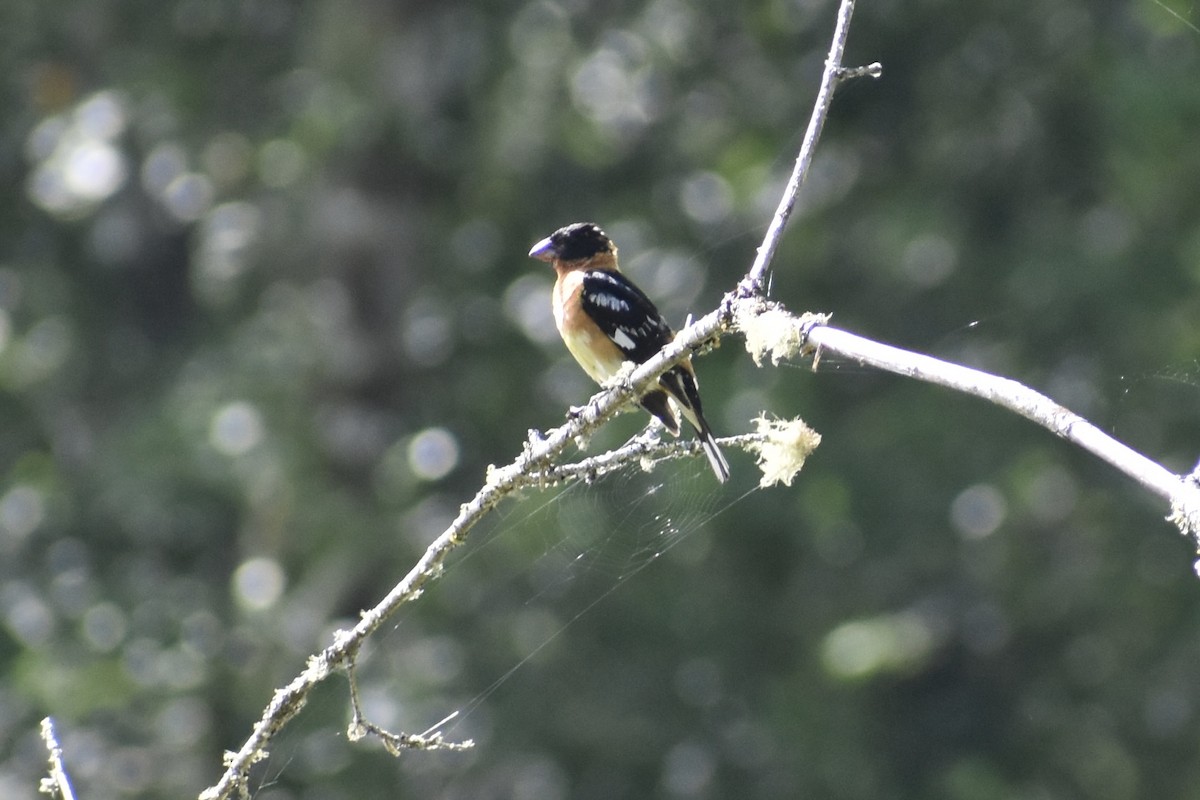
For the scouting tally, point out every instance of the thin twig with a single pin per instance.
(872, 70)
(56, 784)
(647, 448)
(754, 282)
(396, 743)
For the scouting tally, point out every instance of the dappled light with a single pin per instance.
(267, 319)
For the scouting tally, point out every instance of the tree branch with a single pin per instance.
(834, 74)
(534, 467)
(1183, 494)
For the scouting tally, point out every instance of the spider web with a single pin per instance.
(534, 572)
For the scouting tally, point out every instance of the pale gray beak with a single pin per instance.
(543, 250)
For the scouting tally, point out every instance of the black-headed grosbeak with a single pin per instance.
(605, 320)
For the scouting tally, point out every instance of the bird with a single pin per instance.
(605, 320)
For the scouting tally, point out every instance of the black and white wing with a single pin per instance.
(626, 316)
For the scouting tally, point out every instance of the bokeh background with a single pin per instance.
(266, 316)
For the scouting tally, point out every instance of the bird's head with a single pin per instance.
(577, 243)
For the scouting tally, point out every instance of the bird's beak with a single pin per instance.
(543, 250)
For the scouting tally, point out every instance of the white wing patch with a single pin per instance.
(609, 301)
(623, 340)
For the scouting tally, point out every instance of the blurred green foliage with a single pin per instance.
(265, 317)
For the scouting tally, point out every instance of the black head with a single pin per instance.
(575, 242)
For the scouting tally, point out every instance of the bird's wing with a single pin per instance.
(625, 315)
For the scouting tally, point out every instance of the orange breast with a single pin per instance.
(595, 352)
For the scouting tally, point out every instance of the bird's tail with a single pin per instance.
(656, 403)
(712, 451)
(681, 384)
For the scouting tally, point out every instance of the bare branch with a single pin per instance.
(56, 784)
(755, 281)
(647, 449)
(1183, 494)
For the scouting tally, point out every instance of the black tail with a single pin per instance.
(657, 404)
(712, 450)
(681, 383)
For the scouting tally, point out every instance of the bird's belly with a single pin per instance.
(597, 367)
